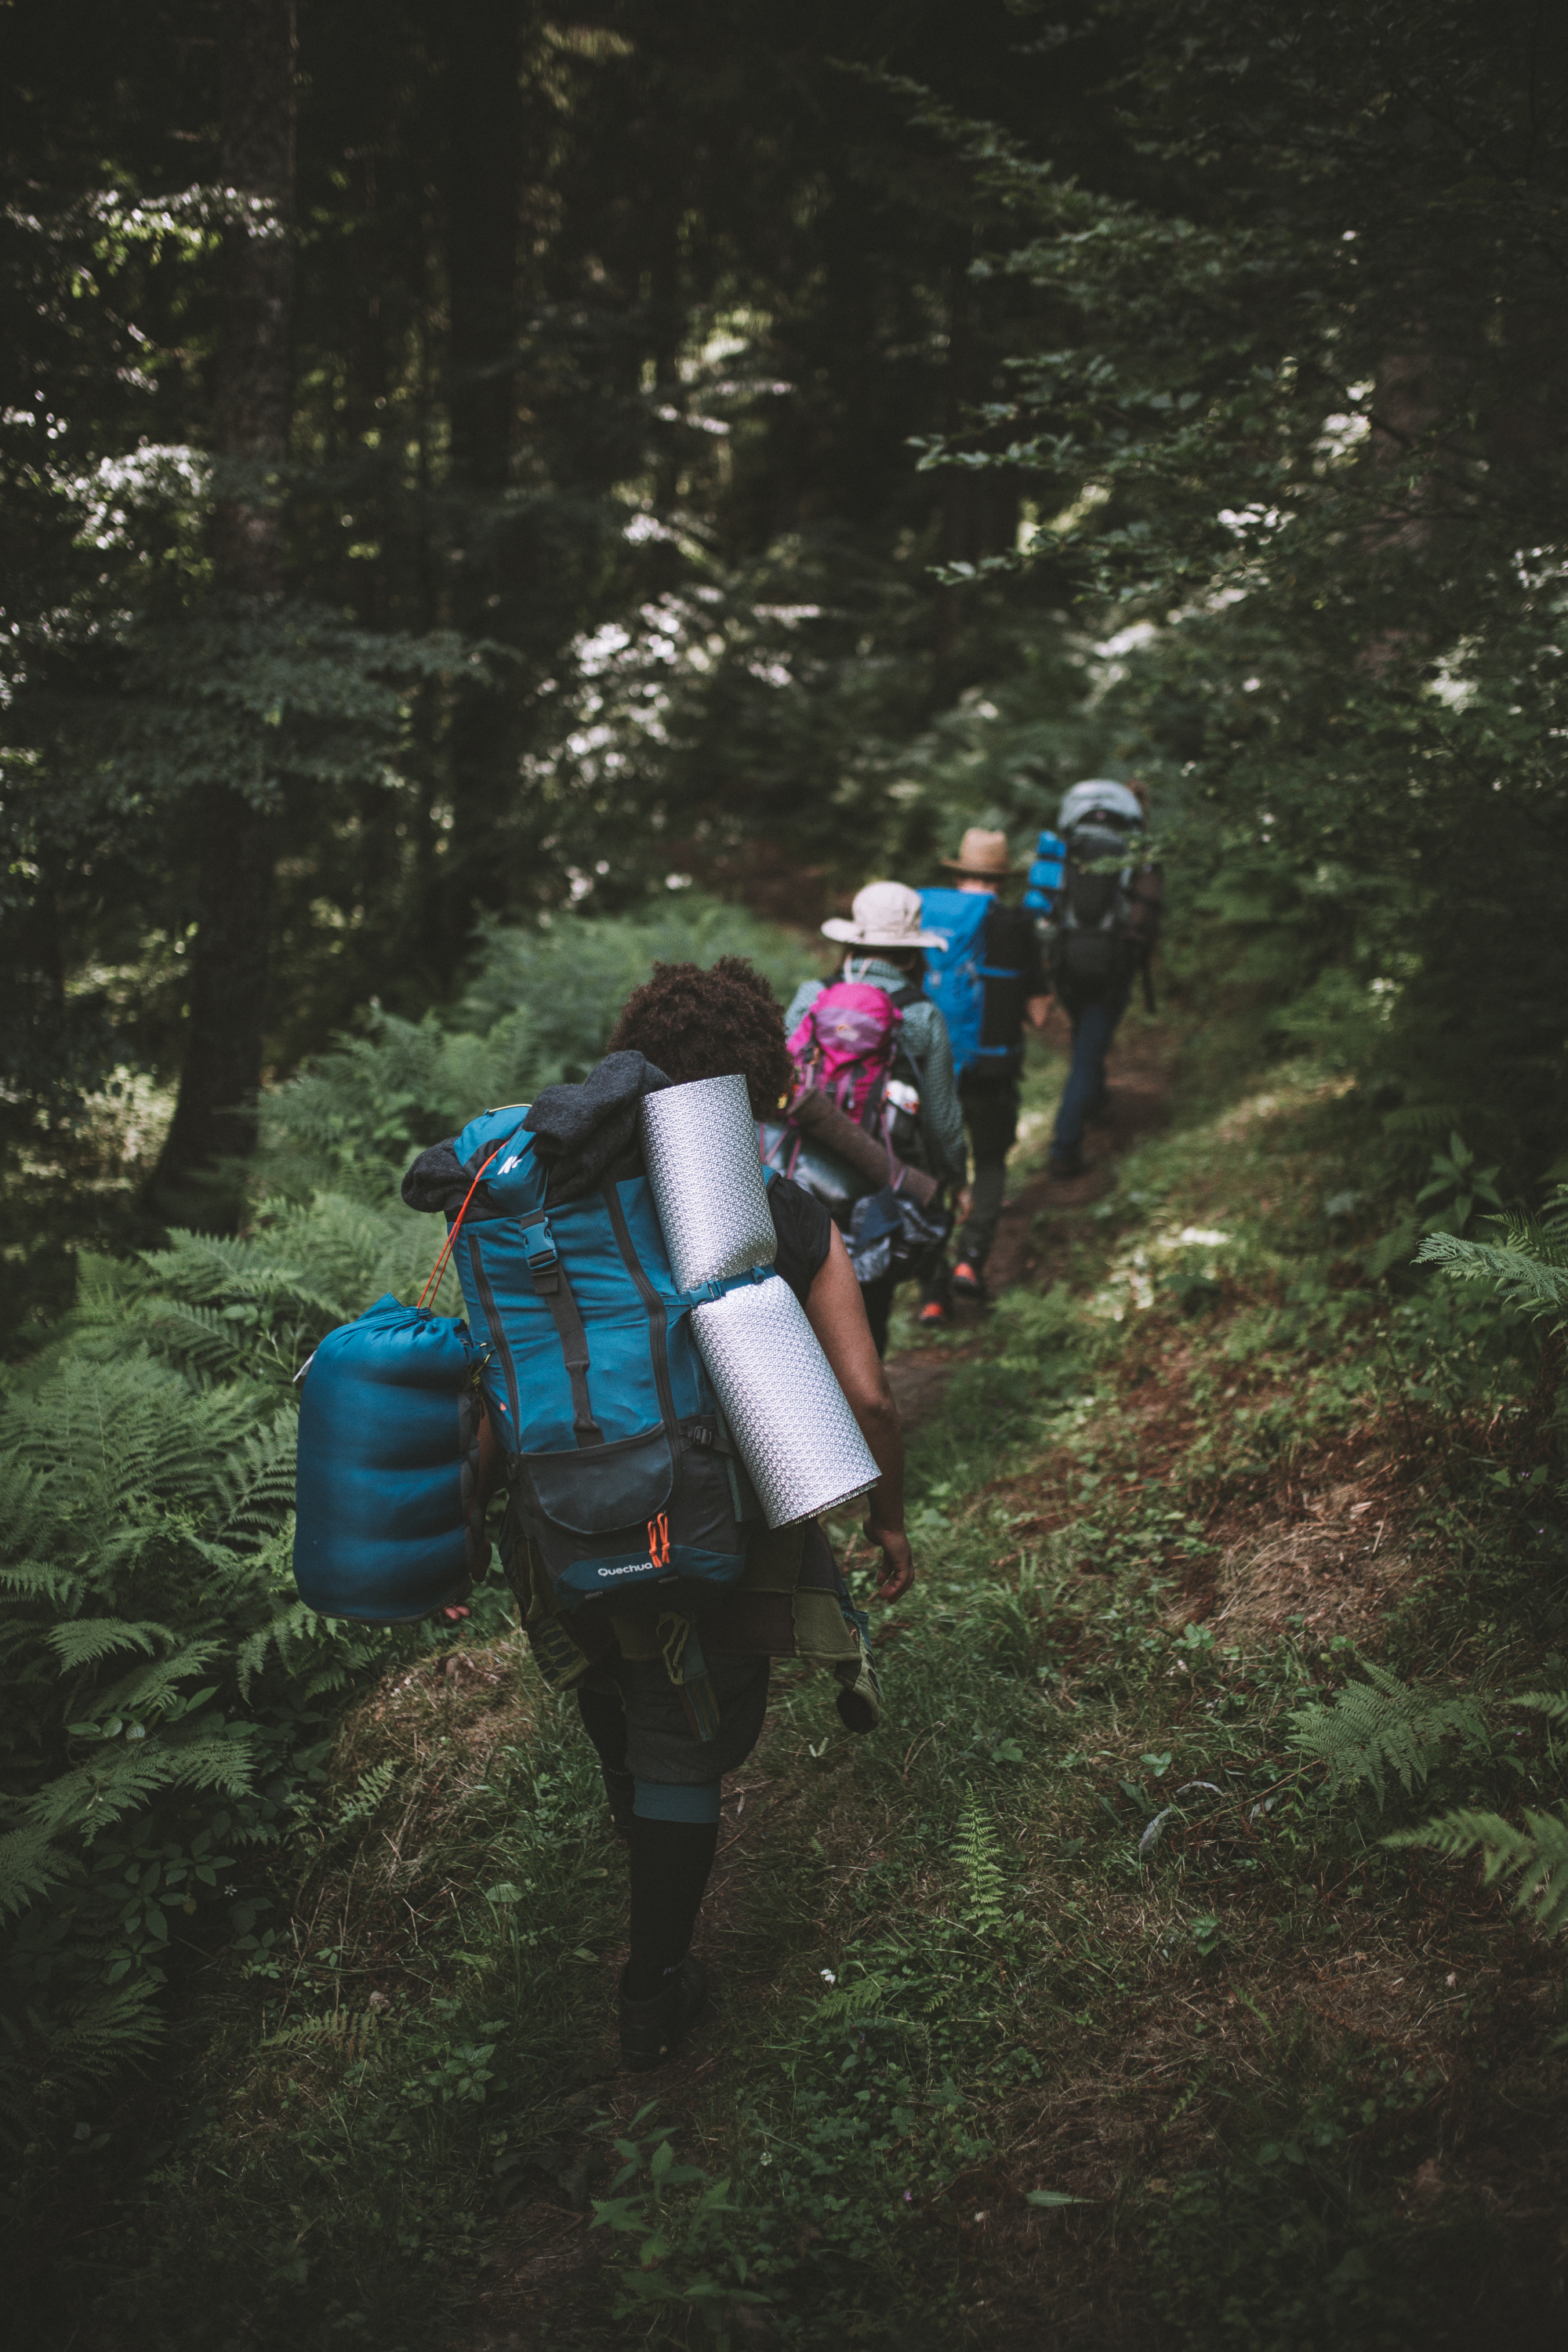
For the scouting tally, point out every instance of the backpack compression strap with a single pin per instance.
(549, 1276)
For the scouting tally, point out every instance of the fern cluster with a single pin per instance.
(1535, 1857)
(1382, 1728)
(168, 1700)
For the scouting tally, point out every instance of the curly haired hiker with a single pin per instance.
(671, 1673)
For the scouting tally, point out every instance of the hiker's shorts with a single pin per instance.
(660, 1743)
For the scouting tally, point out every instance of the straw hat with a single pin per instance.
(983, 855)
(885, 915)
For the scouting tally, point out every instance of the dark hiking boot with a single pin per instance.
(968, 1280)
(1065, 1165)
(651, 2031)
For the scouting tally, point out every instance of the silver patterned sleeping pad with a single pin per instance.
(789, 1417)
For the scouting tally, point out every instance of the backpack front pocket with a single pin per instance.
(595, 1490)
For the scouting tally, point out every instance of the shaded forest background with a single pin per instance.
(467, 463)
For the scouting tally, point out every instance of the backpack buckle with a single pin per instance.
(540, 1254)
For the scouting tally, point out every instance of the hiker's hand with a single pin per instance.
(1038, 1009)
(898, 1562)
(964, 1204)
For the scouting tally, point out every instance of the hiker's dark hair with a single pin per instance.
(693, 1023)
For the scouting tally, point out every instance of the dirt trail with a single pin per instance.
(1030, 1245)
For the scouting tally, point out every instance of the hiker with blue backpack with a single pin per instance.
(986, 980)
(651, 1582)
(871, 1043)
(1098, 901)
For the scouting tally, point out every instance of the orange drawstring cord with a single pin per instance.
(435, 1282)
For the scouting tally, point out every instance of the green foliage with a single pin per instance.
(169, 1699)
(1382, 1727)
(540, 1007)
(979, 1858)
(1535, 1855)
(687, 2259)
(1457, 1184)
(1527, 1269)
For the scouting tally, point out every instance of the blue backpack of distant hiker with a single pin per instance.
(386, 1528)
(956, 975)
(621, 1475)
(1044, 877)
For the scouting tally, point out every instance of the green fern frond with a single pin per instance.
(1382, 1727)
(123, 1777)
(368, 1794)
(344, 2029)
(848, 2003)
(1554, 1704)
(1536, 1855)
(83, 1642)
(979, 1855)
(30, 1863)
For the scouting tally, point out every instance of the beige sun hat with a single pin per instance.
(884, 915)
(983, 855)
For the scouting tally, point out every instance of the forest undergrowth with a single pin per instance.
(1090, 2001)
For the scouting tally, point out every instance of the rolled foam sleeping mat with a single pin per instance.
(786, 1412)
(817, 1115)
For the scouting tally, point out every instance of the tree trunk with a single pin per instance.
(215, 1117)
(483, 186)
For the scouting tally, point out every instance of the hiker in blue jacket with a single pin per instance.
(673, 1701)
(886, 942)
(988, 981)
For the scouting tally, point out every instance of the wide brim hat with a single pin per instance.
(884, 915)
(984, 855)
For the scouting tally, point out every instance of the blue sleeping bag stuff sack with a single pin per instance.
(387, 1461)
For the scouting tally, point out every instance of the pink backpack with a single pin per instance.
(847, 1043)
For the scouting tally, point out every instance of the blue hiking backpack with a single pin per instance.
(621, 1472)
(956, 975)
(385, 1528)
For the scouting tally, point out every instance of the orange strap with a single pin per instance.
(435, 1282)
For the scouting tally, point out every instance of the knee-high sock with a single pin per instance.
(670, 1861)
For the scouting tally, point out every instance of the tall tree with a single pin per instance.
(215, 1117)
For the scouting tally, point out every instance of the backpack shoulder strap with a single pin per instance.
(549, 1279)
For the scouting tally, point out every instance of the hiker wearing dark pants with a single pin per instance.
(672, 1702)
(988, 983)
(1094, 1015)
(1104, 921)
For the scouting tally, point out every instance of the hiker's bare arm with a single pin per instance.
(836, 1313)
(1039, 1010)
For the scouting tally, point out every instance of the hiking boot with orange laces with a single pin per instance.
(968, 1280)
